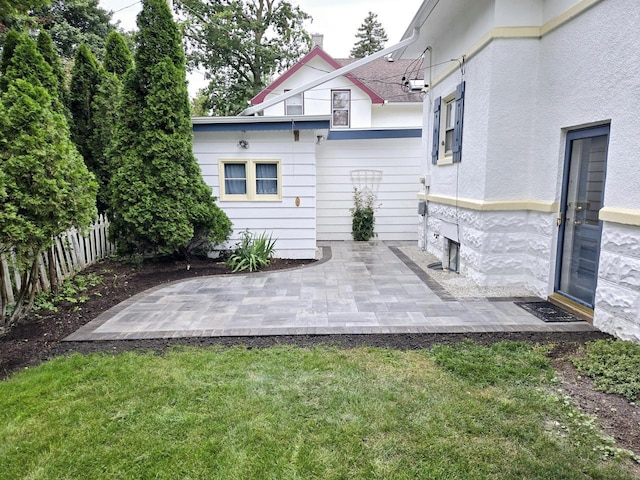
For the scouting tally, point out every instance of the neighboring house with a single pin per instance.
(372, 96)
(292, 172)
(532, 158)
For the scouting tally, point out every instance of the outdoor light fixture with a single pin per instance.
(243, 144)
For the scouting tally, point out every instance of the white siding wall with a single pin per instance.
(317, 101)
(294, 227)
(398, 159)
(396, 115)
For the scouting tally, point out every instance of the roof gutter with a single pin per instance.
(420, 18)
(330, 76)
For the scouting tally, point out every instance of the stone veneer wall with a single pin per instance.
(617, 308)
(498, 248)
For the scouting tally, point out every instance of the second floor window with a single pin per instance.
(294, 105)
(340, 108)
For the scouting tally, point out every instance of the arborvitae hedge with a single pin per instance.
(11, 41)
(159, 202)
(47, 50)
(117, 58)
(46, 186)
(104, 119)
(85, 78)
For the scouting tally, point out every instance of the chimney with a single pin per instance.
(317, 39)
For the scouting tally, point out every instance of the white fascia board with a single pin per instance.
(330, 76)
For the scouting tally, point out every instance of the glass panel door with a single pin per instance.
(580, 230)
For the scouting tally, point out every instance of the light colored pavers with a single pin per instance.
(364, 288)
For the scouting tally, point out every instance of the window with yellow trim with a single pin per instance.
(250, 180)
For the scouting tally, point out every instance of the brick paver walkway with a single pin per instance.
(364, 288)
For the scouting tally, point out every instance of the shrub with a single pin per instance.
(362, 213)
(614, 366)
(252, 253)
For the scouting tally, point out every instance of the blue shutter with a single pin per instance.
(457, 131)
(436, 130)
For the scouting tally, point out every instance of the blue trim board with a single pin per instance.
(373, 134)
(261, 126)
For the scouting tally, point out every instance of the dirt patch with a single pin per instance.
(38, 338)
(617, 416)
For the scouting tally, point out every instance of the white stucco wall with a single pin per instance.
(398, 159)
(293, 226)
(522, 96)
(618, 294)
(498, 248)
(588, 76)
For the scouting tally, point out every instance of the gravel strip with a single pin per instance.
(458, 284)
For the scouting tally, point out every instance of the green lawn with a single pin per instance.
(282, 413)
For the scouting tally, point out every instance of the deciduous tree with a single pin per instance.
(371, 37)
(159, 202)
(74, 22)
(15, 12)
(240, 44)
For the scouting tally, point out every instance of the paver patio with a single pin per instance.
(364, 288)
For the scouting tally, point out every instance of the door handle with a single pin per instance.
(577, 222)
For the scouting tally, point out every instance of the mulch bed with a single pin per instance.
(38, 338)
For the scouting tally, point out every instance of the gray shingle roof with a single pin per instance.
(385, 77)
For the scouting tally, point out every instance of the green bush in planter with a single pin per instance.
(362, 213)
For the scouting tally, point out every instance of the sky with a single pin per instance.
(337, 20)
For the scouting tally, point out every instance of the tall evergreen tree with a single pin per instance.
(11, 41)
(104, 111)
(159, 201)
(371, 37)
(28, 64)
(105, 114)
(47, 50)
(85, 79)
(117, 57)
(46, 186)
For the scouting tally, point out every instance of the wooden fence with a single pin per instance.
(71, 253)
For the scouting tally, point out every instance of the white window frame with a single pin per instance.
(445, 156)
(251, 180)
(335, 109)
(295, 101)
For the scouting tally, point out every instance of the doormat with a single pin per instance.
(548, 312)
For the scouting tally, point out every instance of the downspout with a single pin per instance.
(330, 76)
